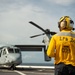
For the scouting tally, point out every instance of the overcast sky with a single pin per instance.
(15, 15)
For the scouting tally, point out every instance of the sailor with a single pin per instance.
(62, 47)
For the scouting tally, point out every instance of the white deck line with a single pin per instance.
(48, 67)
(19, 72)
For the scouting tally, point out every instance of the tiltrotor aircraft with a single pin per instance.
(11, 55)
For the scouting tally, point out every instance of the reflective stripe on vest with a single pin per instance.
(66, 34)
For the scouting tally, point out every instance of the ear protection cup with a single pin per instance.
(71, 23)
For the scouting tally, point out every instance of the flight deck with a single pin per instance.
(27, 71)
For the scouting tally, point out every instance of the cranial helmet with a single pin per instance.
(66, 22)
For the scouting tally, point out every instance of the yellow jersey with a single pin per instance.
(62, 47)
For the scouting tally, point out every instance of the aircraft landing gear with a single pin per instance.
(12, 67)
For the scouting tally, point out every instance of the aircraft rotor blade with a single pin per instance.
(47, 31)
(36, 35)
(37, 26)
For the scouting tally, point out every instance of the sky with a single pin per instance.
(16, 14)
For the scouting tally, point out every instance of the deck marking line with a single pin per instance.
(19, 72)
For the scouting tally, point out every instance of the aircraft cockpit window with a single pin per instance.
(0, 53)
(4, 52)
(17, 50)
(10, 50)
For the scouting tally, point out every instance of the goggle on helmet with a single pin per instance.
(69, 22)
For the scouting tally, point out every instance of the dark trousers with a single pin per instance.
(62, 69)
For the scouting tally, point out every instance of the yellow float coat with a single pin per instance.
(62, 47)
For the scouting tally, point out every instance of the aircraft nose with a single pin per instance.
(15, 59)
